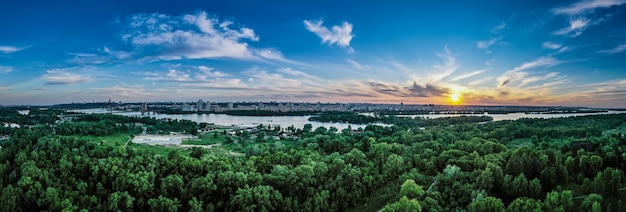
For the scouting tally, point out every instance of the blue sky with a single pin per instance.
(417, 52)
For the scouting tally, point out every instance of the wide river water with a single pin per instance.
(300, 121)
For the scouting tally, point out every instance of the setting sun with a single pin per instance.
(455, 98)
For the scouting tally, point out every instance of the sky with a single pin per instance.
(553, 53)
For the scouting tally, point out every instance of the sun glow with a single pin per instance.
(455, 98)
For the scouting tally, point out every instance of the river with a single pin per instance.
(514, 116)
(241, 121)
(300, 121)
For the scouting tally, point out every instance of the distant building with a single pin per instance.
(187, 108)
(200, 105)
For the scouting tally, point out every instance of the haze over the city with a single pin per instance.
(567, 53)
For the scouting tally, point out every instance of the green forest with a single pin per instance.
(454, 164)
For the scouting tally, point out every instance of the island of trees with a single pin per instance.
(87, 162)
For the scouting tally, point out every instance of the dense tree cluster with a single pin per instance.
(461, 166)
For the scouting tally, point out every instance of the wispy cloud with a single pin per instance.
(486, 44)
(276, 80)
(9, 49)
(206, 72)
(498, 28)
(446, 68)
(64, 77)
(117, 54)
(87, 59)
(579, 18)
(587, 6)
(339, 35)
(172, 75)
(495, 31)
(5, 69)
(575, 28)
(518, 73)
(194, 36)
(358, 65)
(533, 79)
(296, 73)
(192, 75)
(618, 49)
(477, 72)
(551, 45)
(481, 81)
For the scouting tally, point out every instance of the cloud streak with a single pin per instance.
(575, 28)
(9, 49)
(551, 45)
(63, 77)
(488, 43)
(358, 65)
(446, 68)
(199, 74)
(477, 72)
(339, 35)
(587, 6)
(618, 49)
(518, 73)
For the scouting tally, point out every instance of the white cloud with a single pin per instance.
(518, 73)
(272, 80)
(199, 74)
(5, 69)
(179, 76)
(194, 36)
(340, 35)
(529, 80)
(209, 72)
(586, 6)
(498, 28)
(551, 45)
(358, 65)
(618, 49)
(486, 44)
(576, 27)
(117, 54)
(63, 77)
(468, 75)
(295, 73)
(446, 68)
(9, 49)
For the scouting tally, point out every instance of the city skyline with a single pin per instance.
(454, 53)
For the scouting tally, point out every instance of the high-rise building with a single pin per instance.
(200, 105)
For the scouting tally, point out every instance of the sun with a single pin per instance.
(455, 98)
